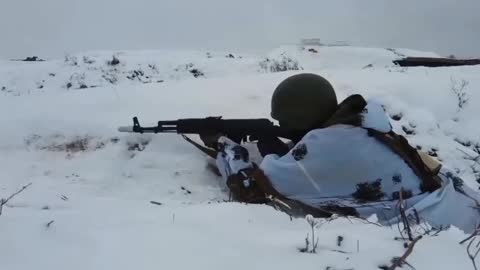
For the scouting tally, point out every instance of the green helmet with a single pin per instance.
(303, 101)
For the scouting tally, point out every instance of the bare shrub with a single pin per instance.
(458, 88)
(71, 60)
(283, 63)
(5, 201)
(115, 61)
(313, 223)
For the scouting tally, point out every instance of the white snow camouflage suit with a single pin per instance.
(329, 165)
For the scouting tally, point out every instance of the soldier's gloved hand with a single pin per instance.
(211, 140)
(272, 145)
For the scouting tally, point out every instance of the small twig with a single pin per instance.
(16, 193)
(438, 231)
(4, 201)
(471, 256)
(417, 216)
(475, 233)
(403, 216)
(312, 222)
(186, 190)
(307, 245)
(339, 240)
(401, 233)
(339, 251)
(156, 203)
(314, 250)
(363, 220)
(398, 262)
(50, 223)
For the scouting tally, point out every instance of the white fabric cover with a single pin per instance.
(327, 164)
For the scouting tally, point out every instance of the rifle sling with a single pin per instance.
(209, 152)
(400, 146)
(296, 207)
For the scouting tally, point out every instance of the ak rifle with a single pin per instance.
(237, 130)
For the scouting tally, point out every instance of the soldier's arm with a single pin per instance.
(246, 181)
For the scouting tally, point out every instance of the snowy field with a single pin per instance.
(89, 204)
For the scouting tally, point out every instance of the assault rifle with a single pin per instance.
(237, 130)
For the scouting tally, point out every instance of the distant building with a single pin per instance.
(305, 42)
(310, 42)
(338, 43)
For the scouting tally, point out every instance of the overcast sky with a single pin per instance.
(50, 28)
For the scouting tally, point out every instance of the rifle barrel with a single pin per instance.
(125, 129)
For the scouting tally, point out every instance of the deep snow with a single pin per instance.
(99, 197)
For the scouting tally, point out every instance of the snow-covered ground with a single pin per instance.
(59, 122)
